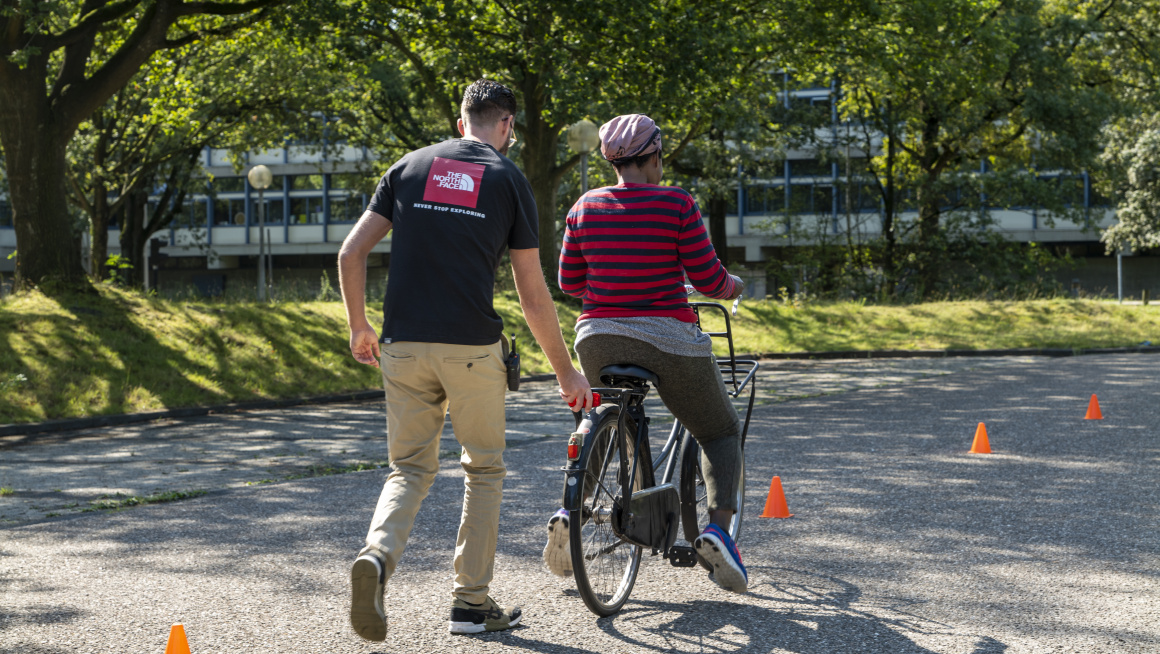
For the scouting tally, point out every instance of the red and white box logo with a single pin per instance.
(453, 182)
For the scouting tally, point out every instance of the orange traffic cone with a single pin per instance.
(177, 643)
(981, 444)
(775, 506)
(1093, 412)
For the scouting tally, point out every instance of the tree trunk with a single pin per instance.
(134, 232)
(539, 157)
(929, 210)
(928, 228)
(889, 210)
(34, 149)
(99, 232)
(718, 205)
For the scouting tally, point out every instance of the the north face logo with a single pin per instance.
(453, 182)
(457, 181)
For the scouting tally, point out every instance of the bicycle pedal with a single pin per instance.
(682, 557)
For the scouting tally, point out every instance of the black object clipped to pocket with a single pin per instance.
(511, 360)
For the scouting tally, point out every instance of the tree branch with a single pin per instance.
(73, 103)
(224, 30)
(694, 131)
(87, 28)
(559, 171)
(224, 8)
(425, 73)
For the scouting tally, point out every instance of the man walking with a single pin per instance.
(454, 207)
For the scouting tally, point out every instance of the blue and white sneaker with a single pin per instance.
(720, 552)
(557, 554)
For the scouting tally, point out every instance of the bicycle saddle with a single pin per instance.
(621, 374)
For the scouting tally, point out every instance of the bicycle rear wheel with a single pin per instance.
(695, 501)
(605, 565)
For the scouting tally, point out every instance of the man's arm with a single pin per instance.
(352, 279)
(540, 312)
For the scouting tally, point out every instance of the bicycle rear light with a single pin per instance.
(574, 447)
(595, 400)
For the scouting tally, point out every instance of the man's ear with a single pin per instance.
(459, 124)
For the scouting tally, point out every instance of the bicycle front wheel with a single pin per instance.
(695, 498)
(605, 565)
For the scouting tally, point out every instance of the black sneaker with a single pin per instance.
(367, 615)
(476, 618)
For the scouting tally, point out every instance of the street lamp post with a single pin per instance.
(583, 137)
(260, 178)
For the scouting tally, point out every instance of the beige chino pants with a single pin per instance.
(423, 381)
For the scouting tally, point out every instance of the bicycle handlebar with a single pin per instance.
(736, 302)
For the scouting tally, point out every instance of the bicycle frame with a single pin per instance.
(738, 375)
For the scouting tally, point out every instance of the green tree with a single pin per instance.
(565, 61)
(939, 86)
(61, 61)
(742, 130)
(1132, 177)
(244, 93)
(1128, 54)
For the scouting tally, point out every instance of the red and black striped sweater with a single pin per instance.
(628, 248)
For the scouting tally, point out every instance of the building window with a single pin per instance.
(229, 184)
(1096, 199)
(763, 200)
(1071, 190)
(276, 185)
(823, 199)
(229, 212)
(352, 182)
(305, 211)
(274, 211)
(306, 182)
(5, 214)
(809, 168)
(346, 208)
(801, 198)
(192, 216)
(862, 198)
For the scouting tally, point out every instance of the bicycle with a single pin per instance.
(617, 508)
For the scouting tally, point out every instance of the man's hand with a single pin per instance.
(364, 345)
(574, 390)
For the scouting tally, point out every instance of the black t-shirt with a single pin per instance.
(454, 207)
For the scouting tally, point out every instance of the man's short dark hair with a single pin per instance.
(485, 102)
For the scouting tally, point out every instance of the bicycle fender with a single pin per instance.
(574, 474)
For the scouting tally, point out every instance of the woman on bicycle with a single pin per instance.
(627, 251)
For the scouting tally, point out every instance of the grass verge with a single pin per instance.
(114, 351)
(121, 500)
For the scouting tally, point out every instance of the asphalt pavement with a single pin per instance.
(901, 541)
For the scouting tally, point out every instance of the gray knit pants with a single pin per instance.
(693, 390)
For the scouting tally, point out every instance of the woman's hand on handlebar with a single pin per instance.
(739, 287)
(575, 390)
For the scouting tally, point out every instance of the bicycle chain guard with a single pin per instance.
(651, 518)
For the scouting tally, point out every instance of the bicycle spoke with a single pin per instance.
(606, 550)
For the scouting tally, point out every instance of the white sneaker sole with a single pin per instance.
(557, 554)
(367, 614)
(473, 628)
(725, 573)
